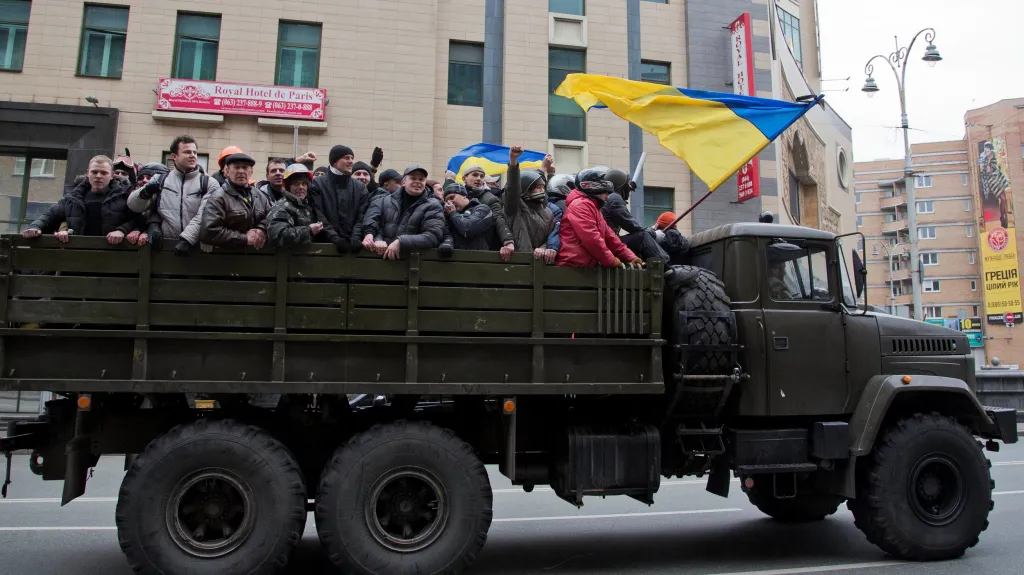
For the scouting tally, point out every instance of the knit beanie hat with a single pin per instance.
(338, 152)
(360, 166)
(455, 188)
(665, 220)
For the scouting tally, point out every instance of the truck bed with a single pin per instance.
(90, 317)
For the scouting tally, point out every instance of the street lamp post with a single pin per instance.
(898, 62)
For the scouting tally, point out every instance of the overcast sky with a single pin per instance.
(982, 46)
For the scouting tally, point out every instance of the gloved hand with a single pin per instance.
(182, 247)
(156, 235)
(151, 187)
(377, 157)
(446, 250)
(341, 245)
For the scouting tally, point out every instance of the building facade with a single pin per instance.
(995, 148)
(950, 230)
(419, 78)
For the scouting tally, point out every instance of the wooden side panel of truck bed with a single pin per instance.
(90, 317)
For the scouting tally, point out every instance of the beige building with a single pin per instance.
(420, 78)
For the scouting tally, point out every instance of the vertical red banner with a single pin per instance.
(748, 180)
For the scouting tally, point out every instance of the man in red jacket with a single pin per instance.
(587, 240)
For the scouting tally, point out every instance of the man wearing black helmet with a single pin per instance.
(587, 240)
(526, 208)
(639, 239)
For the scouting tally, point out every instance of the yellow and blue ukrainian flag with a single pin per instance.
(715, 133)
(492, 158)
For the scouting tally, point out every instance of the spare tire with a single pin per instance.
(697, 314)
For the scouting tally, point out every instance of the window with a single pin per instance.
(574, 7)
(798, 275)
(922, 181)
(932, 311)
(963, 179)
(465, 74)
(104, 31)
(974, 310)
(974, 285)
(656, 72)
(843, 169)
(889, 218)
(967, 205)
(970, 231)
(860, 221)
(657, 1)
(195, 47)
(926, 207)
(656, 202)
(40, 168)
(970, 258)
(857, 195)
(566, 120)
(930, 259)
(791, 31)
(13, 32)
(897, 288)
(926, 233)
(930, 286)
(298, 55)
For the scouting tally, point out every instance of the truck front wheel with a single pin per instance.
(924, 494)
(405, 497)
(211, 497)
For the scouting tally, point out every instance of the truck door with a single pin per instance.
(804, 332)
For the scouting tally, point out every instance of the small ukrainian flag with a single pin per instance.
(492, 158)
(715, 133)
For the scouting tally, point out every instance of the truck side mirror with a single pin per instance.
(860, 273)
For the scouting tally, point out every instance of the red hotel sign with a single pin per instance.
(748, 180)
(176, 95)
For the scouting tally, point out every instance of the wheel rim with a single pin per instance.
(210, 513)
(936, 490)
(407, 509)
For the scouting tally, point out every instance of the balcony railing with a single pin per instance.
(894, 226)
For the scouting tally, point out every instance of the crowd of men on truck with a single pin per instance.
(563, 219)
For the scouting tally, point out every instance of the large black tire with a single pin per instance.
(695, 289)
(925, 492)
(208, 475)
(408, 476)
(804, 508)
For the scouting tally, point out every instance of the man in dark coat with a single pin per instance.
(470, 223)
(408, 220)
(235, 215)
(97, 206)
(341, 201)
(639, 239)
(526, 209)
(292, 220)
(478, 190)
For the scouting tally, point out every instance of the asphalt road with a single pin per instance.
(687, 532)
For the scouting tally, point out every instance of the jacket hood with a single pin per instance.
(578, 196)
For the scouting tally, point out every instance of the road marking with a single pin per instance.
(820, 568)
(1006, 463)
(57, 500)
(7, 529)
(1019, 492)
(614, 515)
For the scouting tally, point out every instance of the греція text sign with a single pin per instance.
(177, 95)
(1001, 273)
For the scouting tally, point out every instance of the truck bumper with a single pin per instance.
(1005, 419)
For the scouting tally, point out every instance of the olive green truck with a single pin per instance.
(224, 379)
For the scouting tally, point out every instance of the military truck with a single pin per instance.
(223, 378)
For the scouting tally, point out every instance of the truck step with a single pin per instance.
(776, 468)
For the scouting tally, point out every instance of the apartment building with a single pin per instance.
(420, 78)
(962, 276)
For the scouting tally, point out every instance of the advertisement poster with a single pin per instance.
(176, 95)
(748, 181)
(1000, 272)
(969, 326)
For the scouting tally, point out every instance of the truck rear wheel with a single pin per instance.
(924, 494)
(803, 508)
(405, 497)
(211, 496)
